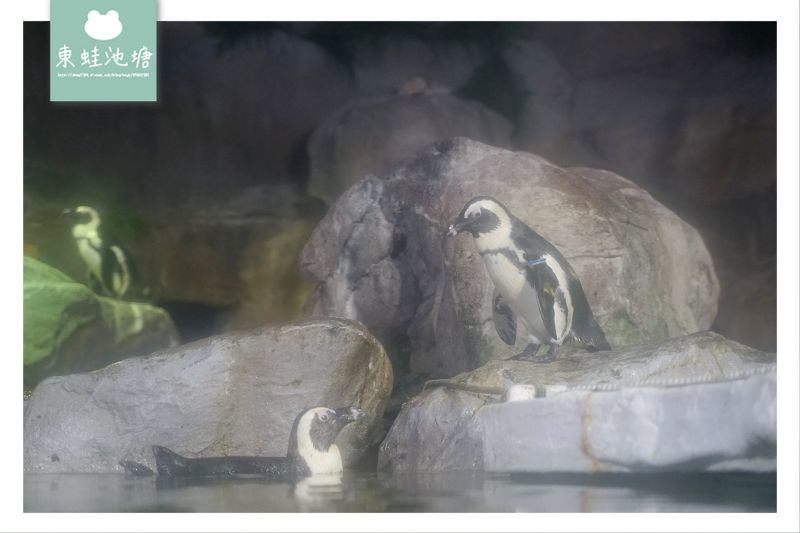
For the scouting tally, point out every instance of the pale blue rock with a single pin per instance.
(693, 403)
(693, 427)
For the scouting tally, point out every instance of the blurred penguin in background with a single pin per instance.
(110, 269)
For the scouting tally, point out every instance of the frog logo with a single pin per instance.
(102, 27)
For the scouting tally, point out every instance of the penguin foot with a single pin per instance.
(528, 354)
(547, 357)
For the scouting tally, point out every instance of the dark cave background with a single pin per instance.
(213, 187)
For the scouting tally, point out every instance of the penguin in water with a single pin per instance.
(311, 452)
(533, 282)
(111, 271)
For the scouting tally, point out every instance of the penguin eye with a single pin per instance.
(324, 417)
(474, 215)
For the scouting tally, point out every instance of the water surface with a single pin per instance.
(449, 492)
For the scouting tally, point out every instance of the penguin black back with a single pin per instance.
(169, 463)
(586, 330)
(311, 451)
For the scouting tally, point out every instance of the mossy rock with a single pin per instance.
(68, 328)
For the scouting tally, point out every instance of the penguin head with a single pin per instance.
(83, 219)
(481, 215)
(314, 432)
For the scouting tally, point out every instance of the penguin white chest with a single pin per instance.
(512, 284)
(506, 276)
(90, 256)
(327, 462)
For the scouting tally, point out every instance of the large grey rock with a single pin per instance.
(234, 394)
(371, 136)
(379, 255)
(691, 403)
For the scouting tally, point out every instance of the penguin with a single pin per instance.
(533, 282)
(110, 269)
(311, 452)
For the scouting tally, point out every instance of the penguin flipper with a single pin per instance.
(169, 463)
(548, 294)
(504, 320)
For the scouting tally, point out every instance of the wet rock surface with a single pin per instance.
(233, 394)
(379, 256)
(699, 402)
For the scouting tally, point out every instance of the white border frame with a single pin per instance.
(785, 12)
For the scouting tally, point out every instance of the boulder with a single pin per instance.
(68, 328)
(371, 136)
(691, 403)
(380, 256)
(234, 394)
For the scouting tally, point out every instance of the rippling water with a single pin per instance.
(450, 492)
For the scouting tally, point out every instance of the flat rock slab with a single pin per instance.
(692, 403)
(234, 394)
(695, 427)
(703, 356)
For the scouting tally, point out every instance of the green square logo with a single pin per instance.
(103, 51)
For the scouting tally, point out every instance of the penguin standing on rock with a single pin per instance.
(533, 282)
(111, 271)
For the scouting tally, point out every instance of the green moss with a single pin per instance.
(620, 330)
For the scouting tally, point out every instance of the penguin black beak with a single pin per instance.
(67, 213)
(456, 227)
(349, 414)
